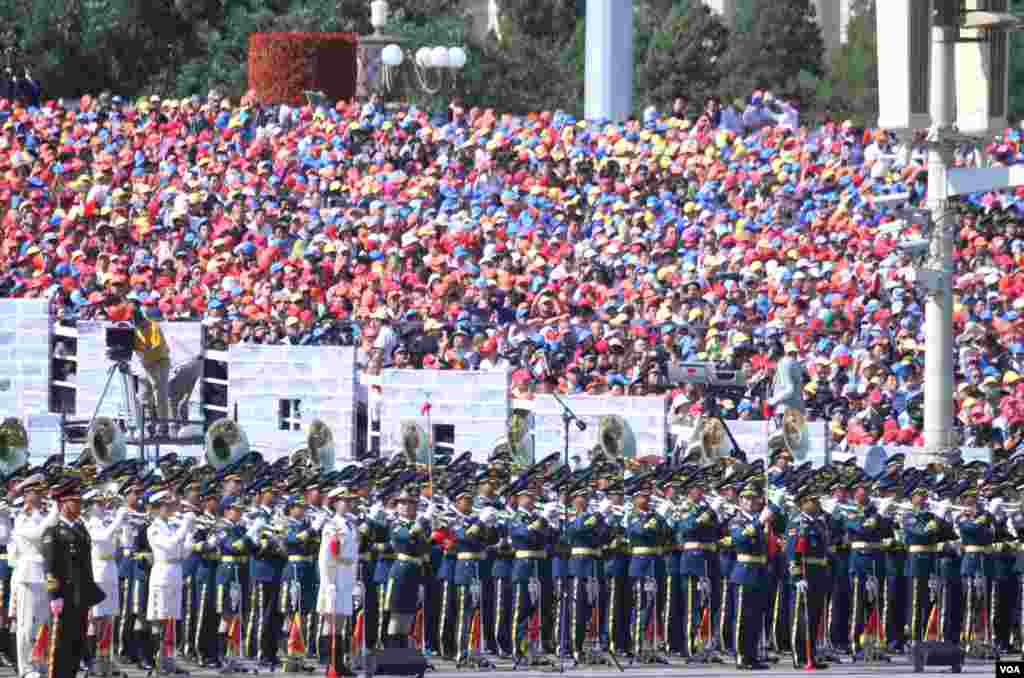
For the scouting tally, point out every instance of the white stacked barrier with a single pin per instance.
(322, 379)
(24, 356)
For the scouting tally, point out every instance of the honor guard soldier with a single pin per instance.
(103, 530)
(587, 533)
(409, 537)
(298, 600)
(190, 504)
(616, 606)
(647, 533)
(560, 581)
(866, 530)
(30, 600)
(977, 536)
(337, 561)
(674, 613)
(807, 544)
(207, 550)
(530, 536)
(504, 595)
(923, 531)
(378, 529)
(472, 535)
(696, 536)
(951, 601)
(236, 546)
(170, 543)
(71, 589)
(142, 563)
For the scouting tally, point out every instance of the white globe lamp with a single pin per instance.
(439, 57)
(423, 57)
(392, 56)
(456, 58)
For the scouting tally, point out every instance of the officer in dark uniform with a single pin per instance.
(586, 535)
(378, 536)
(236, 546)
(923, 531)
(297, 583)
(617, 602)
(750, 575)
(1005, 589)
(674, 613)
(265, 576)
(647, 533)
(472, 537)
(67, 562)
(807, 543)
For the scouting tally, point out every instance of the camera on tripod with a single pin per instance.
(120, 342)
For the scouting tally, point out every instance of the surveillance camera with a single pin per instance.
(917, 247)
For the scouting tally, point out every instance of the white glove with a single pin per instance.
(551, 513)
(121, 514)
(377, 512)
(872, 585)
(429, 512)
(766, 515)
(801, 586)
(605, 506)
(704, 586)
(488, 516)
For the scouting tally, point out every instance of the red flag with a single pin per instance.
(42, 645)
(535, 627)
(425, 410)
(705, 626)
(418, 629)
(357, 634)
(773, 542)
(474, 630)
(801, 545)
(335, 546)
(106, 638)
(296, 644)
(933, 625)
(169, 638)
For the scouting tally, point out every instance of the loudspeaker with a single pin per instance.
(982, 74)
(392, 662)
(905, 48)
(933, 653)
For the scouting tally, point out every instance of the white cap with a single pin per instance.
(161, 497)
(34, 479)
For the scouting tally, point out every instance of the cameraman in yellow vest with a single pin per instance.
(156, 359)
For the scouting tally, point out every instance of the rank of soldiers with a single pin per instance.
(273, 565)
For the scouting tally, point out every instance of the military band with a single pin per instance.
(478, 563)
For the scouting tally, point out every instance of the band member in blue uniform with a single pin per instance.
(530, 535)
(837, 625)
(977, 536)
(647, 533)
(696, 535)
(409, 538)
(473, 534)
(866, 530)
(922, 531)
(236, 546)
(729, 492)
(750, 575)
(618, 595)
(302, 544)
(586, 533)
(267, 568)
(807, 542)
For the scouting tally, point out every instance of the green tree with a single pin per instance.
(684, 57)
(783, 41)
(851, 85)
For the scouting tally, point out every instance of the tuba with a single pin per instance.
(320, 443)
(792, 435)
(415, 443)
(616, 437)
(520, 437)
(226, 443)
(13, 445)
(105, 442)
(710, 440)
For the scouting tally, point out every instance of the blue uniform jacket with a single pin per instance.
(235, 547)
(472, 538)
(748, 538)
(697, 534)
(977, 536)
(647, 536)
(530, 536)
(616, 550)
(813, 563)
(866, 530)
(922, 531)
(586, 535)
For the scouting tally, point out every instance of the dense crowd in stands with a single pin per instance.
(585, 257)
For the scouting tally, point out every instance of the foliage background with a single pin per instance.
(183, 47)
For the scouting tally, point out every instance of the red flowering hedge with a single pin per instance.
(284, 65)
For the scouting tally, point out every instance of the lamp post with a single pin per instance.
(434, 68)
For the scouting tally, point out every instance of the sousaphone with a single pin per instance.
(13, 445)
(519, 437)
(415, 443)
(793, 435)
(710, 440)
(104, 442)
(320, 443)
(615, 437)
(226, 443)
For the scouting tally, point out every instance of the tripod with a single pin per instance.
(129, 402)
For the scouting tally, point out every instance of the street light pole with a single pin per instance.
(938, 385)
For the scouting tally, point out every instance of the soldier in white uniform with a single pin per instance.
(339, 555)
(171, 543)
(30, 601)
(103, 529)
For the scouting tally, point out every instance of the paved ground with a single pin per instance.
(898, 667)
